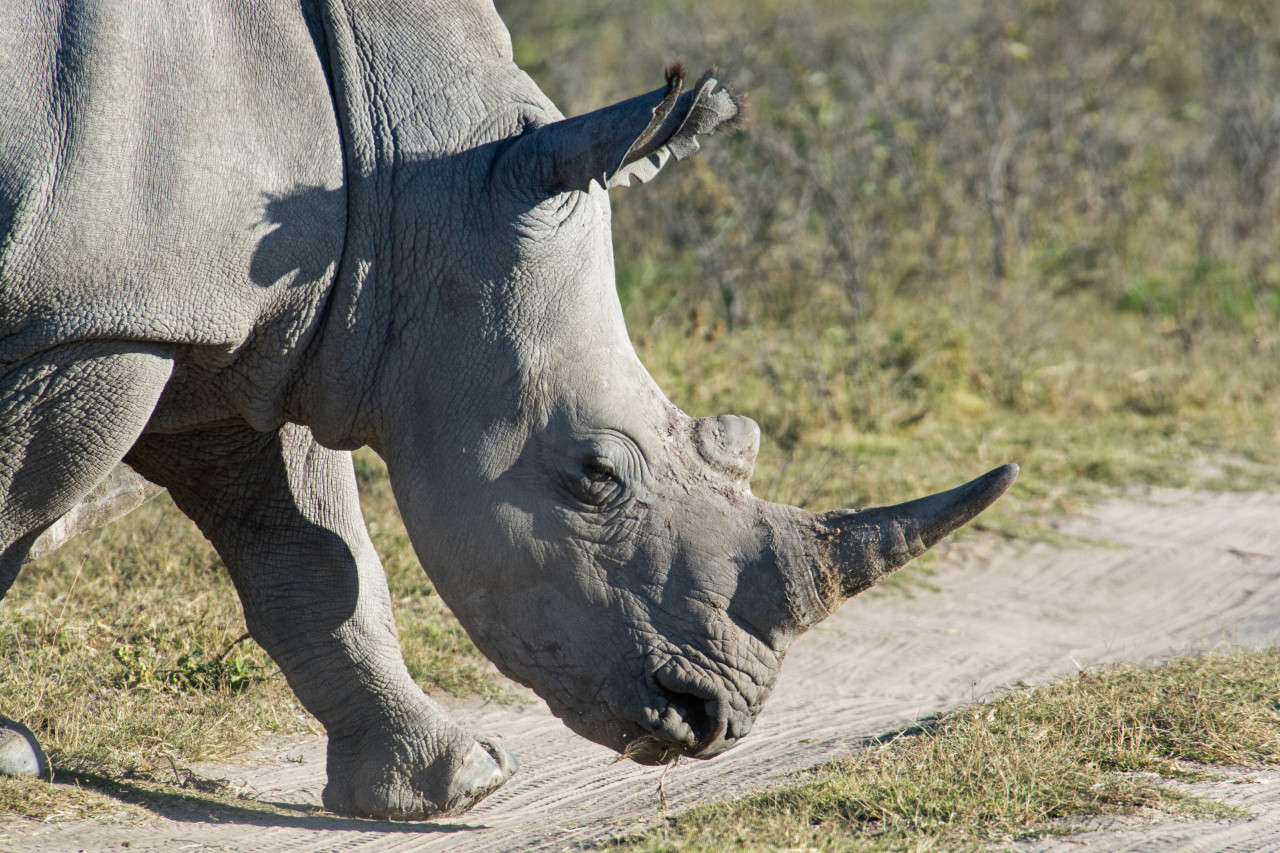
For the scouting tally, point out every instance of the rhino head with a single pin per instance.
(598, 544)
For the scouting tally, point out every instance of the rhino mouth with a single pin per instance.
(688, 716)
(673, 723)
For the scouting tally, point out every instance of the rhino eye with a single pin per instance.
(598, 470)
(599, 485)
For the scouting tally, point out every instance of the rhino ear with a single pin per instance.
(633, 139)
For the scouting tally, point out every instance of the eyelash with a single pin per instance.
(598, 470)
(599, 486)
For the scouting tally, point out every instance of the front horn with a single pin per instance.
(852, 550)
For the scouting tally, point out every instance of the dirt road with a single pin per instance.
(1167, 572)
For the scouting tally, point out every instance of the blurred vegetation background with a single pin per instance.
(956, 234)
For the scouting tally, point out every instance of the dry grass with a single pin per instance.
(911, 406)
(87, 629)
(35, 799)
(1029, 763)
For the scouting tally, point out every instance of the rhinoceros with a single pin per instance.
(240, 240)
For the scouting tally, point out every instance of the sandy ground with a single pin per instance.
(1160, 573)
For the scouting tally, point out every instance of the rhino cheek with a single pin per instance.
(544, 616)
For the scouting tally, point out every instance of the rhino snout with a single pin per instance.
(693, 718)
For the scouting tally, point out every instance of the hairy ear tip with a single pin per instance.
(675, 74)
(709, 74)
(743, 105)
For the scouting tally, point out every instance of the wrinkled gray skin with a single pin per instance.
(235, 244)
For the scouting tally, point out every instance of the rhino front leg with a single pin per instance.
(284, 515)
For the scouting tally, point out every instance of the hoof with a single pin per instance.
(20, 752)
(426, 781)
(483, 771)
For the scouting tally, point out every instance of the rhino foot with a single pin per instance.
(20, 752)
(413, 776)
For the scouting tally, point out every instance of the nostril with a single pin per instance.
(692, 711)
